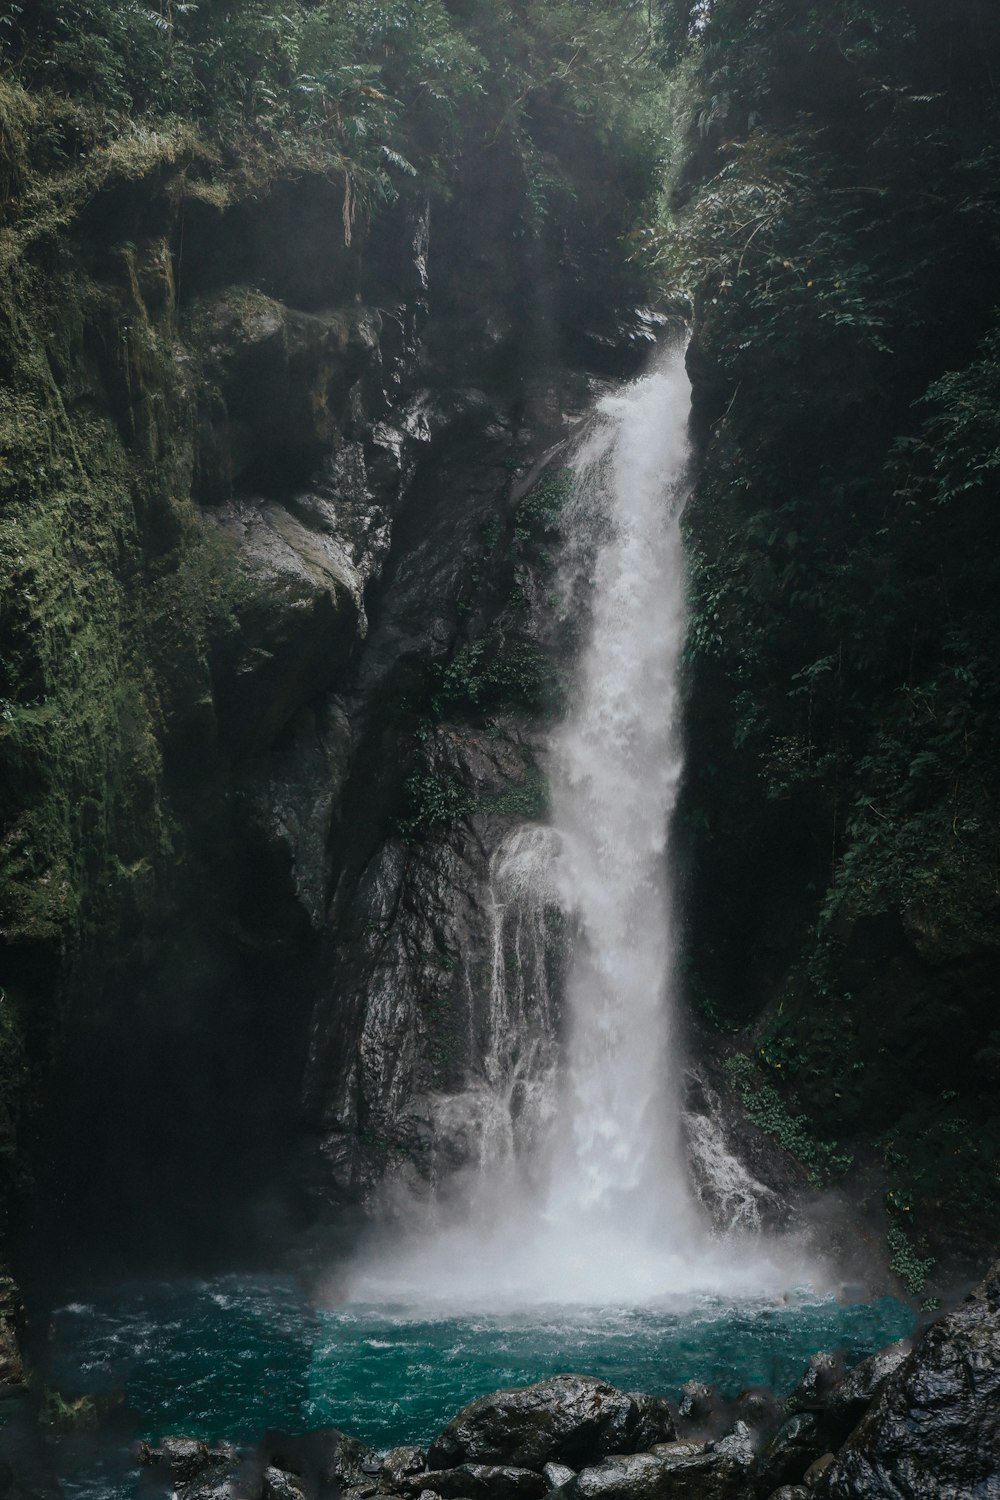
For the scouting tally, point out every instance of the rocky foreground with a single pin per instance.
(919, 1425)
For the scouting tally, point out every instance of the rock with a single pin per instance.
(790, 1492)
(737, 1445)
(655, 1423)
(683, 1448)
(186, 1456)
(819, 1380)
(556, 1475)
(793, 1448)
(934, 1428)
(697, 1402)
(676, 1471)
(760, 1409)
(11, 1324)
(630, 1476)
(851, 1397)
(481, 1482)
(278, 1485)
(323, 1460)
(402, 1463)
(815, 1470)
(571, 1419)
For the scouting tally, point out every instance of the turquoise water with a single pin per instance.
(234, 1355)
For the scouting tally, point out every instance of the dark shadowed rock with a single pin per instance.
(572, 1419)
(819, 1380)
(278, 1485)
(698, 1401)
(655, 1421)
(851, 1397)
(796, 1444)
(759, 1408)
(933, 1432)
(402, 1463)
(186, 1457)
(323, 1462)
(480, 1482)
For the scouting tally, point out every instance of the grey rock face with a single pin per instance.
(933, 1432)
(556, 1475)
(572, 1419)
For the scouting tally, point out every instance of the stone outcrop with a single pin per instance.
(572, 1419)
(933, 1430)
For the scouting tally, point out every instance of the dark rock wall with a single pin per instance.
(282, 496)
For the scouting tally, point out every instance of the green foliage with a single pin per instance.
(527, 798)
(495, 674)
(431, 800)
(906, 1262)
(836, 229)
(822, 1160)
(539, 511)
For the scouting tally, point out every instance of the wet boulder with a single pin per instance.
(698, 1402)
(675, 1471)
(572, 1419)
(277, 1484)
(323, 1462)
(556, 1475)
(852, 1396)
(655, 1423)
(401, 1464)
(813, 1390)
(480, 1482)
(186, 1457)
(934, 1428)
(738, 1445)
(797, 1443)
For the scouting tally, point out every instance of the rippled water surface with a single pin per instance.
(234, 1355)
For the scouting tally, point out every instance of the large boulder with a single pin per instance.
(933, 1432)
(571, 1419)
(676, 1471)
(480, 1482)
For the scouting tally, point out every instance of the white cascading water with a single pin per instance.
(594, 1204)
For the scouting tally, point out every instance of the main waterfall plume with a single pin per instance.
(577, 1189)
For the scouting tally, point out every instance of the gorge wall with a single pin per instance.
(292, 316)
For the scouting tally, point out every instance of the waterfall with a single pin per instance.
(577, 1188)
(616, 765)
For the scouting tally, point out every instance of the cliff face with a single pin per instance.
(842, 901)
(262, 471)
